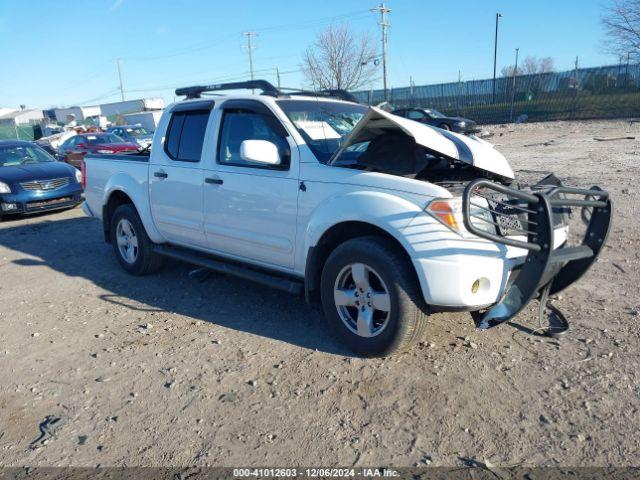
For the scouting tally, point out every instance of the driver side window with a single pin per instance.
(241, 125)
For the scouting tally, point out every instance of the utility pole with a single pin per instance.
(458, 93)
(626, 72)
(576, 85)
(278, 77)
(250, 48)
(384, 25)
(513, 86)
(495, 57)
(120, 78)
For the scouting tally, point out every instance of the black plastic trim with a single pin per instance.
(240, 270)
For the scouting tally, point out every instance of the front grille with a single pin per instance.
(508, 216)
(45, 185)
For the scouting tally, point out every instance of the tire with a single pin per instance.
(139, 259)
(444, 126)
(398, 319)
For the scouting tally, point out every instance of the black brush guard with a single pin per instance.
(534, 214)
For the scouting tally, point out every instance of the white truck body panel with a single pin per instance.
(262, 217)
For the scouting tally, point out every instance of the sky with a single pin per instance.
(63, 53)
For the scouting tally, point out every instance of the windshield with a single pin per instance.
(138, 131)
(323, 125)
(435, 113)
(23, 154)
(102, 139)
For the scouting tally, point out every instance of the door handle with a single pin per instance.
(214, 180)
(160, 174)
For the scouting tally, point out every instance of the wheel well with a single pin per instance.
(336, 235)
(116, 199)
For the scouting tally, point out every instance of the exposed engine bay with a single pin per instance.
(386, 143)
(396, 153)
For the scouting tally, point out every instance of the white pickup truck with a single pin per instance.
(382, 219)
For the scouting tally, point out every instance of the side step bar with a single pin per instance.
(545, 271)
(221, 266)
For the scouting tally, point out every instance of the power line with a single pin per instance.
(317, 21)
(285, 28)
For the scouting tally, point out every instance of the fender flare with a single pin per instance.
(385, 211)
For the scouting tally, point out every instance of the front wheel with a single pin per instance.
(444, 126)
(371, 297)
(131, 244)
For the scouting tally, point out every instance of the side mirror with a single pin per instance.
(260, 151)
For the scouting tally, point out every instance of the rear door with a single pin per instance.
(176, 175)
(250, 210)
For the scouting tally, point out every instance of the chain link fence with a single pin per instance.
(585, 93)
(17, 132)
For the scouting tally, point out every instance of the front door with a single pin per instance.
(250, 210)
(176, 179)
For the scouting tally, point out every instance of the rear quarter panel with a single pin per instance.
(109, 173)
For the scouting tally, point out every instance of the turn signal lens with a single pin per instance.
(447, 211)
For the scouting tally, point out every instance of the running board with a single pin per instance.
(220, 266)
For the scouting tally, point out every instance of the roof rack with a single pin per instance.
(198, 90)
(340, 94)
(266, 88)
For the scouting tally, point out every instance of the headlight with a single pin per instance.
(4, 188)
(448, 211)
(104, 151)
(78, 176)
(462, 124)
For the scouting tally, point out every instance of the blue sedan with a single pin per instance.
(32, 181)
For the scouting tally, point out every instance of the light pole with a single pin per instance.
(120, 78)
(495, 57)
(513, 87)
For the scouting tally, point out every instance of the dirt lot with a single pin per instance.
(168, 371)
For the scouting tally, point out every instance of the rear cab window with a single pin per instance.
(185, 135)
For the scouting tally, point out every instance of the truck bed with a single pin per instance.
(106, 172)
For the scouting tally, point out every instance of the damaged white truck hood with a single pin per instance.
(471, 150)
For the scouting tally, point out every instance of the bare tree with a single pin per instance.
(339, 60)
(546, 65)
(508, 71)
(622, 27)
(530, 65)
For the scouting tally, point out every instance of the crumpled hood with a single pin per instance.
(471, 150)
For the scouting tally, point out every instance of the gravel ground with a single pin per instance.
(166, 371)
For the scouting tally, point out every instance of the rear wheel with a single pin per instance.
(371, 297)
(131, 244)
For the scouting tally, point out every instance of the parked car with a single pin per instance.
(75, 148)
(430, 116)
(383, 219)
(133, 134)
(49, 149)
(31, 180)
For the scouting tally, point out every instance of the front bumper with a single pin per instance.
(448, 280)
(25, 202)
(546, 269)
(528, 257)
